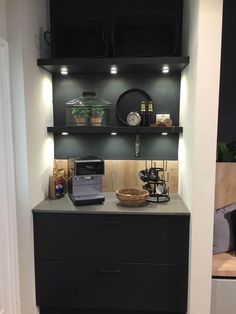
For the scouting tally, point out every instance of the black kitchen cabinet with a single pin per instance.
(90, 28)
(111, 262)
(114, 286)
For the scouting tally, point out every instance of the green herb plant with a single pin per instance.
(97, 112)
(80, 112)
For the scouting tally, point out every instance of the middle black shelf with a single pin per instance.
(114, 129)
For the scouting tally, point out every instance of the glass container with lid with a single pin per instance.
(88, 109)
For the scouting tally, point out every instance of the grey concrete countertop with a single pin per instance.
(112, 206)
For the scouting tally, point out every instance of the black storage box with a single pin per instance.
(145, 35)
(80, 38)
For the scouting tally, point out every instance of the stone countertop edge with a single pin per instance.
(112, 206)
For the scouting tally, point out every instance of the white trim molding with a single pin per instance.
(9, 266)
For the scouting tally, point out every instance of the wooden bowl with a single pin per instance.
(132, 197)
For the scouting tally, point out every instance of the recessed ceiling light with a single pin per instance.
(113, 69)
(64, 71)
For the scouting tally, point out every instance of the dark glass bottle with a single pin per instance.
(143, 114)
(150, 114)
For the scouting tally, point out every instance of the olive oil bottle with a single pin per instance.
(143, 114)
(150, 114)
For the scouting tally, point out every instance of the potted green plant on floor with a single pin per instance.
(80, 115)
(97, 114)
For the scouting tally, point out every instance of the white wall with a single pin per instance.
(32, 112)
(9, 275)
(197, 150)
(3, 22)
(38, 102)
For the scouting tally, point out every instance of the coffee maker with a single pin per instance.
(85, 183)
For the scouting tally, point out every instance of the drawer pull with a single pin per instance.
(109, 271)
(109, 223)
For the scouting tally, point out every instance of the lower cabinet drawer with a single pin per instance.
(124, 238)
(111, 286)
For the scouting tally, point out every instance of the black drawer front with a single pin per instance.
(139, 238)
(111, 286)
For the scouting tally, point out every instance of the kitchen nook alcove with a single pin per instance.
(106, 258)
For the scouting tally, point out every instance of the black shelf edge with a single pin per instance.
(114, 129)
(98, 65)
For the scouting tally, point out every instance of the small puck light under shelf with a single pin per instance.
(64, 71)
(165, 69)
(113, 69)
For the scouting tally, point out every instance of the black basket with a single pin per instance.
(145, 35)
(83, 38)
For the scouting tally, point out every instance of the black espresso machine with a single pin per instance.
(85, 183)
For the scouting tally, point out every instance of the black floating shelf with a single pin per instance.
(101, 65)
(115, 129)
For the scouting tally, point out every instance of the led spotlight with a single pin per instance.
(64, 71)
(165, 69)
(113, 69)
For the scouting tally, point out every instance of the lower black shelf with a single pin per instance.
(114, 129)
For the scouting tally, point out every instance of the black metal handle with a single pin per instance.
(47, 33)
(109, 271)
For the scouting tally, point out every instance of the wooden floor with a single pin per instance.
(224, 265)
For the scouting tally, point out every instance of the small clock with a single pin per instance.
(133, 118)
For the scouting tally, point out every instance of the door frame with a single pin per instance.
(9, 266)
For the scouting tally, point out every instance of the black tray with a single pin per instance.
(129, 101)
(139, 35)
(80, 38)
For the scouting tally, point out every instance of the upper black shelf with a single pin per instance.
(98, 65)
(112, 129)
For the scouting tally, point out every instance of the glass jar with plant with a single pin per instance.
(96, 115)
(80, 115)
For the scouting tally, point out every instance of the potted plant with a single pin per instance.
(96, 115)
(80, 115)
(226, 153)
